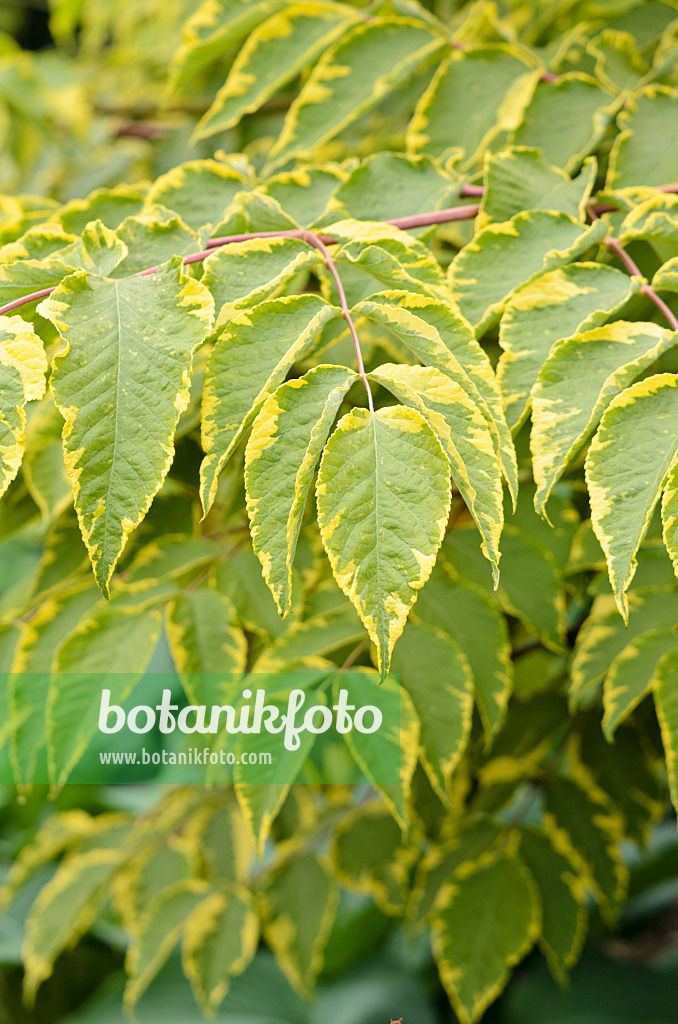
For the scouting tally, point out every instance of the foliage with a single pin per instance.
(378, 374)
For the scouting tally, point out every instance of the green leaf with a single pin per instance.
(315, 637)
(286, 442)
(436, 335)
(199, 191)
(563, 912)
(627, 466)
(22, 378)
(251, 357)
(245, 273)
(576, 384)
(645, 151)
(369, 854)
(350, 78)
(566, 119)
(520, 179)
(387, 472)
(436, 674)
(63, 911)
(473, 622)
(220, 938)
(463, 432)
(121, 385)
(109, 650)
(43, 466)
(214, 28)
(632, 674)
(152, 237)
(158, 930)
(555, 305)
(666, 704)
(392, 256)
(109, 205)
(386, 184)
(26, 276)
(304, 193)
(484, 275)
(604, 635)
(299, 903)
(241, 580)
(491, 84)
(490, 922)
(204, 641)
(388, 756)
(273, 54)
(593, 826)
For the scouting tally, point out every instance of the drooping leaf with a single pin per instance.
(631, 675)
(285, 445)
(484, 275)
(350, 78)
(273, 54)
(580, 377)
(205, 641)
(251, 357)
(491, 920)
(436, 674)
(463, 432)
(299, 904)
(121, 385)
(489, 83)
(387, 471)
(22, 378)
(369, 854)
(220, 939)
(626, 468)
(645, 151)
(666, 703)
(555, 305)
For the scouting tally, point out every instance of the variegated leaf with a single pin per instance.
(23, 365)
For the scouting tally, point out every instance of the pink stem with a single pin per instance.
(648, 291)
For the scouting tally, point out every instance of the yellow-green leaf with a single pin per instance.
(23, 365)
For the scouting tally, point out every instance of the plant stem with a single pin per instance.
(318, 243)
(648, 291)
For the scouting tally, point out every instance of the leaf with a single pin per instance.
(575, 385)
(251, 357)
(205, 642)
(214, 28)
(199, 191)
(563, 911)
(22, 378)
(220, 939)
(273, 54)
(54, 621)
(435, 333)
(645, 151)
(632, 674)
(63, 911)
(350, 78)
(487, 271)
(388, 756)
(43, 466)
(387, 472)
(593, 827)
(626, 468)
(109, 650)
(566, 119)
(158, 930)
(666, 704)
(436, 674)
(392, 256)
(121, 385)
(520, 179)
(286, 442)
(499, 81)
(30, 275)
(555, 305)
(604, 635)
(474, 623)
(241, 580)
(490, 922)
(369, 854)
(109, 205)
(316, 636)
(386, 184)
(540, 606)
(244, 273)
(304, 193)
(462, 430)
(299, 903)
(152, 237)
